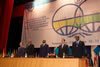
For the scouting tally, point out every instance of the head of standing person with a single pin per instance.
(30, 42)
(44, 41)
(77, 38)
(62, 41)
(21, 44)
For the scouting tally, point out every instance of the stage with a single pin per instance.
(42, 62)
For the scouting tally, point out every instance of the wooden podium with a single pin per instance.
(42, 62)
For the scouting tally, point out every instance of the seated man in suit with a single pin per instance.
(44, 49)
(63, 49)
(30, 49)
(21, 51)
(78, 48)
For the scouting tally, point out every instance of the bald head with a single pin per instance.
(21, 44)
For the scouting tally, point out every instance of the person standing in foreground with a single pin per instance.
(78, 48)
(63, 49)
(44, 49)
(21, 51)
(30, 49)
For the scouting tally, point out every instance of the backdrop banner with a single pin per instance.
(52, 20)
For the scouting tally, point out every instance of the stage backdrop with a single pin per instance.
(52, 20)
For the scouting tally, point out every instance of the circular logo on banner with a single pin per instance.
(69, 20)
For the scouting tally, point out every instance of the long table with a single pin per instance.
(42, 62)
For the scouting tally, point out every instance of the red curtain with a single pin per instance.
(18, 11)
(6, 7)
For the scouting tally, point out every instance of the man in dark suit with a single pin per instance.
(30, 49)
(44, 49)
(78, 48)
(63, 49)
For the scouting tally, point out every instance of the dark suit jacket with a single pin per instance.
(30, 50)
(21, 52)
(44, 50)
(79, 51)
(63, 50)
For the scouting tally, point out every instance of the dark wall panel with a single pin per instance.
(15, 33)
